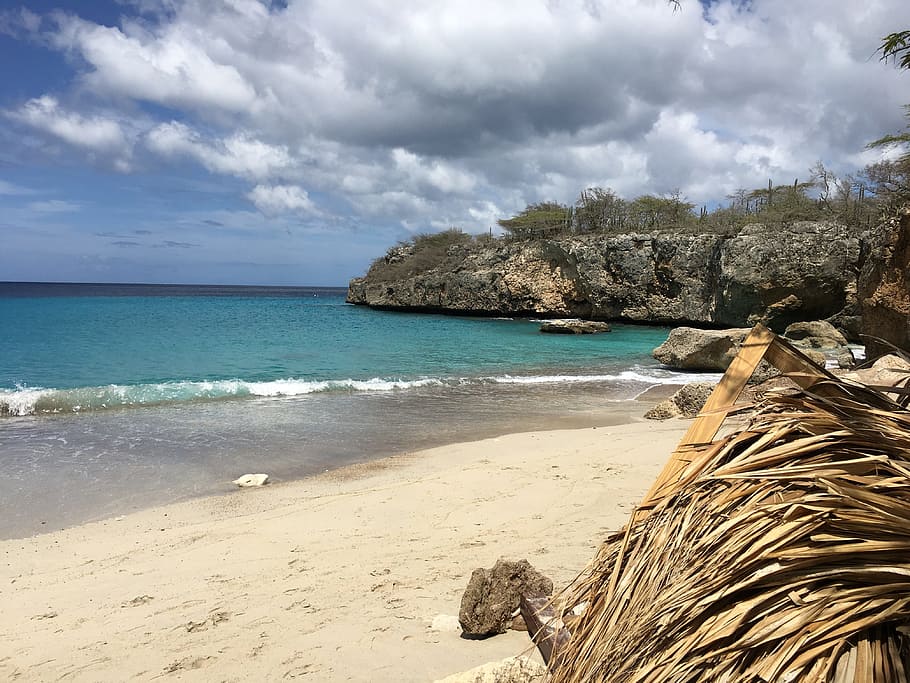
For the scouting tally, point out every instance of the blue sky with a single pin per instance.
(255, 142)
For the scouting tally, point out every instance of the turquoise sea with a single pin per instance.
(114, 397)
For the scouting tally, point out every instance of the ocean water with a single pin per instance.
(116, 397)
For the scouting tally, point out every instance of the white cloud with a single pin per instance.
(169, 67)
(54, 206)
(435, 174)
(442, 112)
(279, 199)
(240, 154)
(90, 132)
(15, 22)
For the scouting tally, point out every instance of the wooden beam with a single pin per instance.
(760, 344)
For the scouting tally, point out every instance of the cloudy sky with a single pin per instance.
(292, 141)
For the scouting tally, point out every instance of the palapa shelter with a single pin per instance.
(780, 552)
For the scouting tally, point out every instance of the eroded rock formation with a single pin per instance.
(779, 275)
(885, 288)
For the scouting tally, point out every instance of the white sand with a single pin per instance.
(330, 579)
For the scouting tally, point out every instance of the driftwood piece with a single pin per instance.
(545, 627)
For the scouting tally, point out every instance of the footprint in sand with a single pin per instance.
(214, 619)
(138, 600)
(186, 663)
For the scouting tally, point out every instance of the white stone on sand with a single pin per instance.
(248, 480)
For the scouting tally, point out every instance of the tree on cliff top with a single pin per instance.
(538, 220)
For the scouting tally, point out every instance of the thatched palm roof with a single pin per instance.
(780, 553)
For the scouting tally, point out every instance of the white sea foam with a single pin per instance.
(38, 400)
(649, 376)
(22, 400)
(293, 387)
(32, 400)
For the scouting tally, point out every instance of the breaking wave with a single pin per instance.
(31, 401)
(22, 401)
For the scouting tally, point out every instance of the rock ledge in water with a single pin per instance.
(574, 327)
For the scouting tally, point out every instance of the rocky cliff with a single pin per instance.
(885, 287)
(778, 275)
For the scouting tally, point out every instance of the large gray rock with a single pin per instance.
(688, 348)
(817, 334)
(815, 356)
(784, 274)
(845, 359)
(779, 275)
(492, 596)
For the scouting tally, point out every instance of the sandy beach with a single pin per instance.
(335, 578)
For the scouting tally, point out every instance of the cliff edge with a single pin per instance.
(776, 275)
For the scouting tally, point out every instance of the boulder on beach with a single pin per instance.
(887, 371)
(574, 327)
(687, 402)
(816, 356)
(492, 596)
(816, 334)
(688, 348)
(845, 359)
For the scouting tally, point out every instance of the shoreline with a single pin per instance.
(103, 488)
(337, 576)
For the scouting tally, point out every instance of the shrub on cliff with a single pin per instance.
(538, 220)
(421, 253)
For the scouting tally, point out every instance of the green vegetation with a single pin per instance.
(855, 201)
(894, 176)
(896, 46)
(538, 220)
(422, 252)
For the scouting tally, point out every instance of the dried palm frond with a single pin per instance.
(781, 553)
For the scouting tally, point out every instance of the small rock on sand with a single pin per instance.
(492, 596)
(248, 480)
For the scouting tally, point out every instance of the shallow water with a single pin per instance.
(116, 401)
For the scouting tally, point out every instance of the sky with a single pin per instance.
(291, 142)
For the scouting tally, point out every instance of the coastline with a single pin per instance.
(191, 452)
(337, 577)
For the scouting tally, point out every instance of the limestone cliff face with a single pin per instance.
(778, 275)
(885, 287)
